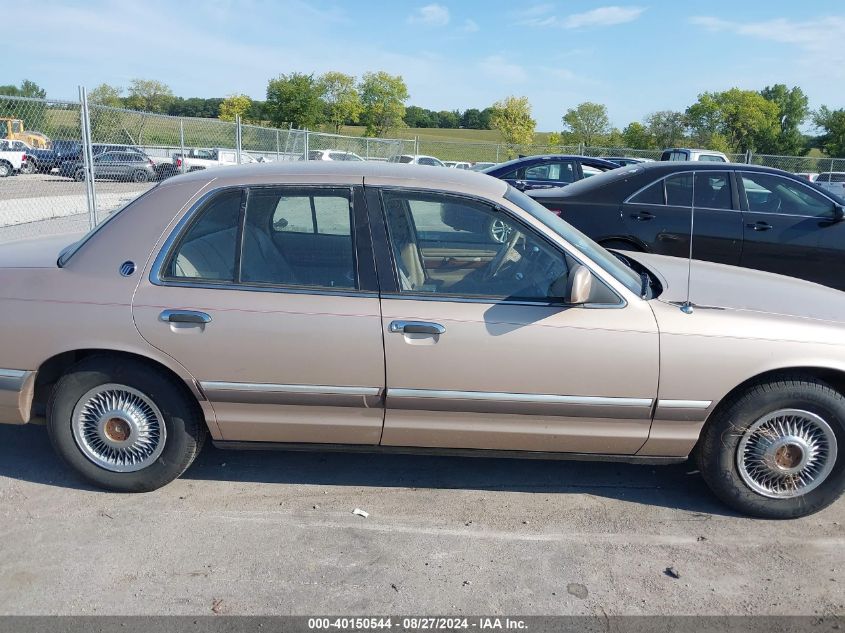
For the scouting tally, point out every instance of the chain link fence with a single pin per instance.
(74, 162)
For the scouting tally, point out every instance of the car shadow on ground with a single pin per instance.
(26, 455)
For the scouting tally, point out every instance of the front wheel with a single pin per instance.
(5, 169)
(775, 451)
(79, 175)
(140, 176)
(123, 425)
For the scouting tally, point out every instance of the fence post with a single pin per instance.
(367, 148)
(305, 153)
(182, 144)
(87, 157)
(278, 146)
(416, 145)
(497, 152)
(581, 148)
(238, 137)
(748, 157)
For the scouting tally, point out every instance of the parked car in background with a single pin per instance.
(623, 161)
(416, 159)
(481, 166)
(685, 154)
(197, 159)
(314, 304)
(124, 166)
(332, 154)
(46, 159)
(552, 170)
(832, 181)
(745, 215)
(11, 162)
(457, 164)
(28, 165)
(808, 175)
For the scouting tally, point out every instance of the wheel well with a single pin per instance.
(52, 369)
(610, 242)
(833, 377)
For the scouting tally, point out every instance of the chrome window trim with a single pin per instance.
(677, 173)
(566, 247)
(598, 401)
(181, 227)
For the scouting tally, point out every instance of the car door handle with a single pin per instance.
(643, 216)
(185, 316)
(760, 226)
(416, 327)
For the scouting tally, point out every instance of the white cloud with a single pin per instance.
(470, 26)
(497, 67)
(820, 38)
(600, 16)
(431, 15)
(603, 16)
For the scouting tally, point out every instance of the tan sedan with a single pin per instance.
(368, 306)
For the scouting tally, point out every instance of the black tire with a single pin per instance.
(29, 167)
(182, 418)
(140, 176)
(717, 451)
(79, 174)
(622, 245)
(6, 169)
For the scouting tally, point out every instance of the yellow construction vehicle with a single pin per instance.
(13, 130)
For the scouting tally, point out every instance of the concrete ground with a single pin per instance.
(274, 533)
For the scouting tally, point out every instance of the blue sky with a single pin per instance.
(635, 57)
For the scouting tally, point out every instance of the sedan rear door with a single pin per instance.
(660, 216)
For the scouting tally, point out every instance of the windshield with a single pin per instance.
(624, 275)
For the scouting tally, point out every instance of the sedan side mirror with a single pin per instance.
(579, 285)
(838, 213)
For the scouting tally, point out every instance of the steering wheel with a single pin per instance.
(495, 265)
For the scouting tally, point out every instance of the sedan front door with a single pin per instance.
(791, 229)
(267, 295)
(486, 355)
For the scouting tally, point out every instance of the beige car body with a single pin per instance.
(637, 379)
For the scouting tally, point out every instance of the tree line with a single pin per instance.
(768, 121)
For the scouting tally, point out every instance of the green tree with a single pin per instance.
(107, 95)
(33, 114)
(743, 118)
(471, 119)
(449, 119)
(340, 94)
(512, 117)
(553, 142)
(26, 89)
(419, 117)
(793, 110)
(587, 121)
(294, 99)
(636, 136)
(666, 128)
(832, 125)
(148, 95)
(383, 97)
(235, 105)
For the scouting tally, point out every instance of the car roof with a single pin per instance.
(352, 172)
(541, 157)
(645, 173)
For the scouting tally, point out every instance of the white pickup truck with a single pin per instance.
(832, 181)
(11, 161)
(206, 158)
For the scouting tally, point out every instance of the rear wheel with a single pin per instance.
(775, 451)
(140, 176)
(123, 425)
(5, 169)
(28, 167)
(79, 174)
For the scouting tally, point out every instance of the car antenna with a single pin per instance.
(686, 306)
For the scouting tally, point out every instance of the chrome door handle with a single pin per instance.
(185, 316)
(416, 327)
(760, 226)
